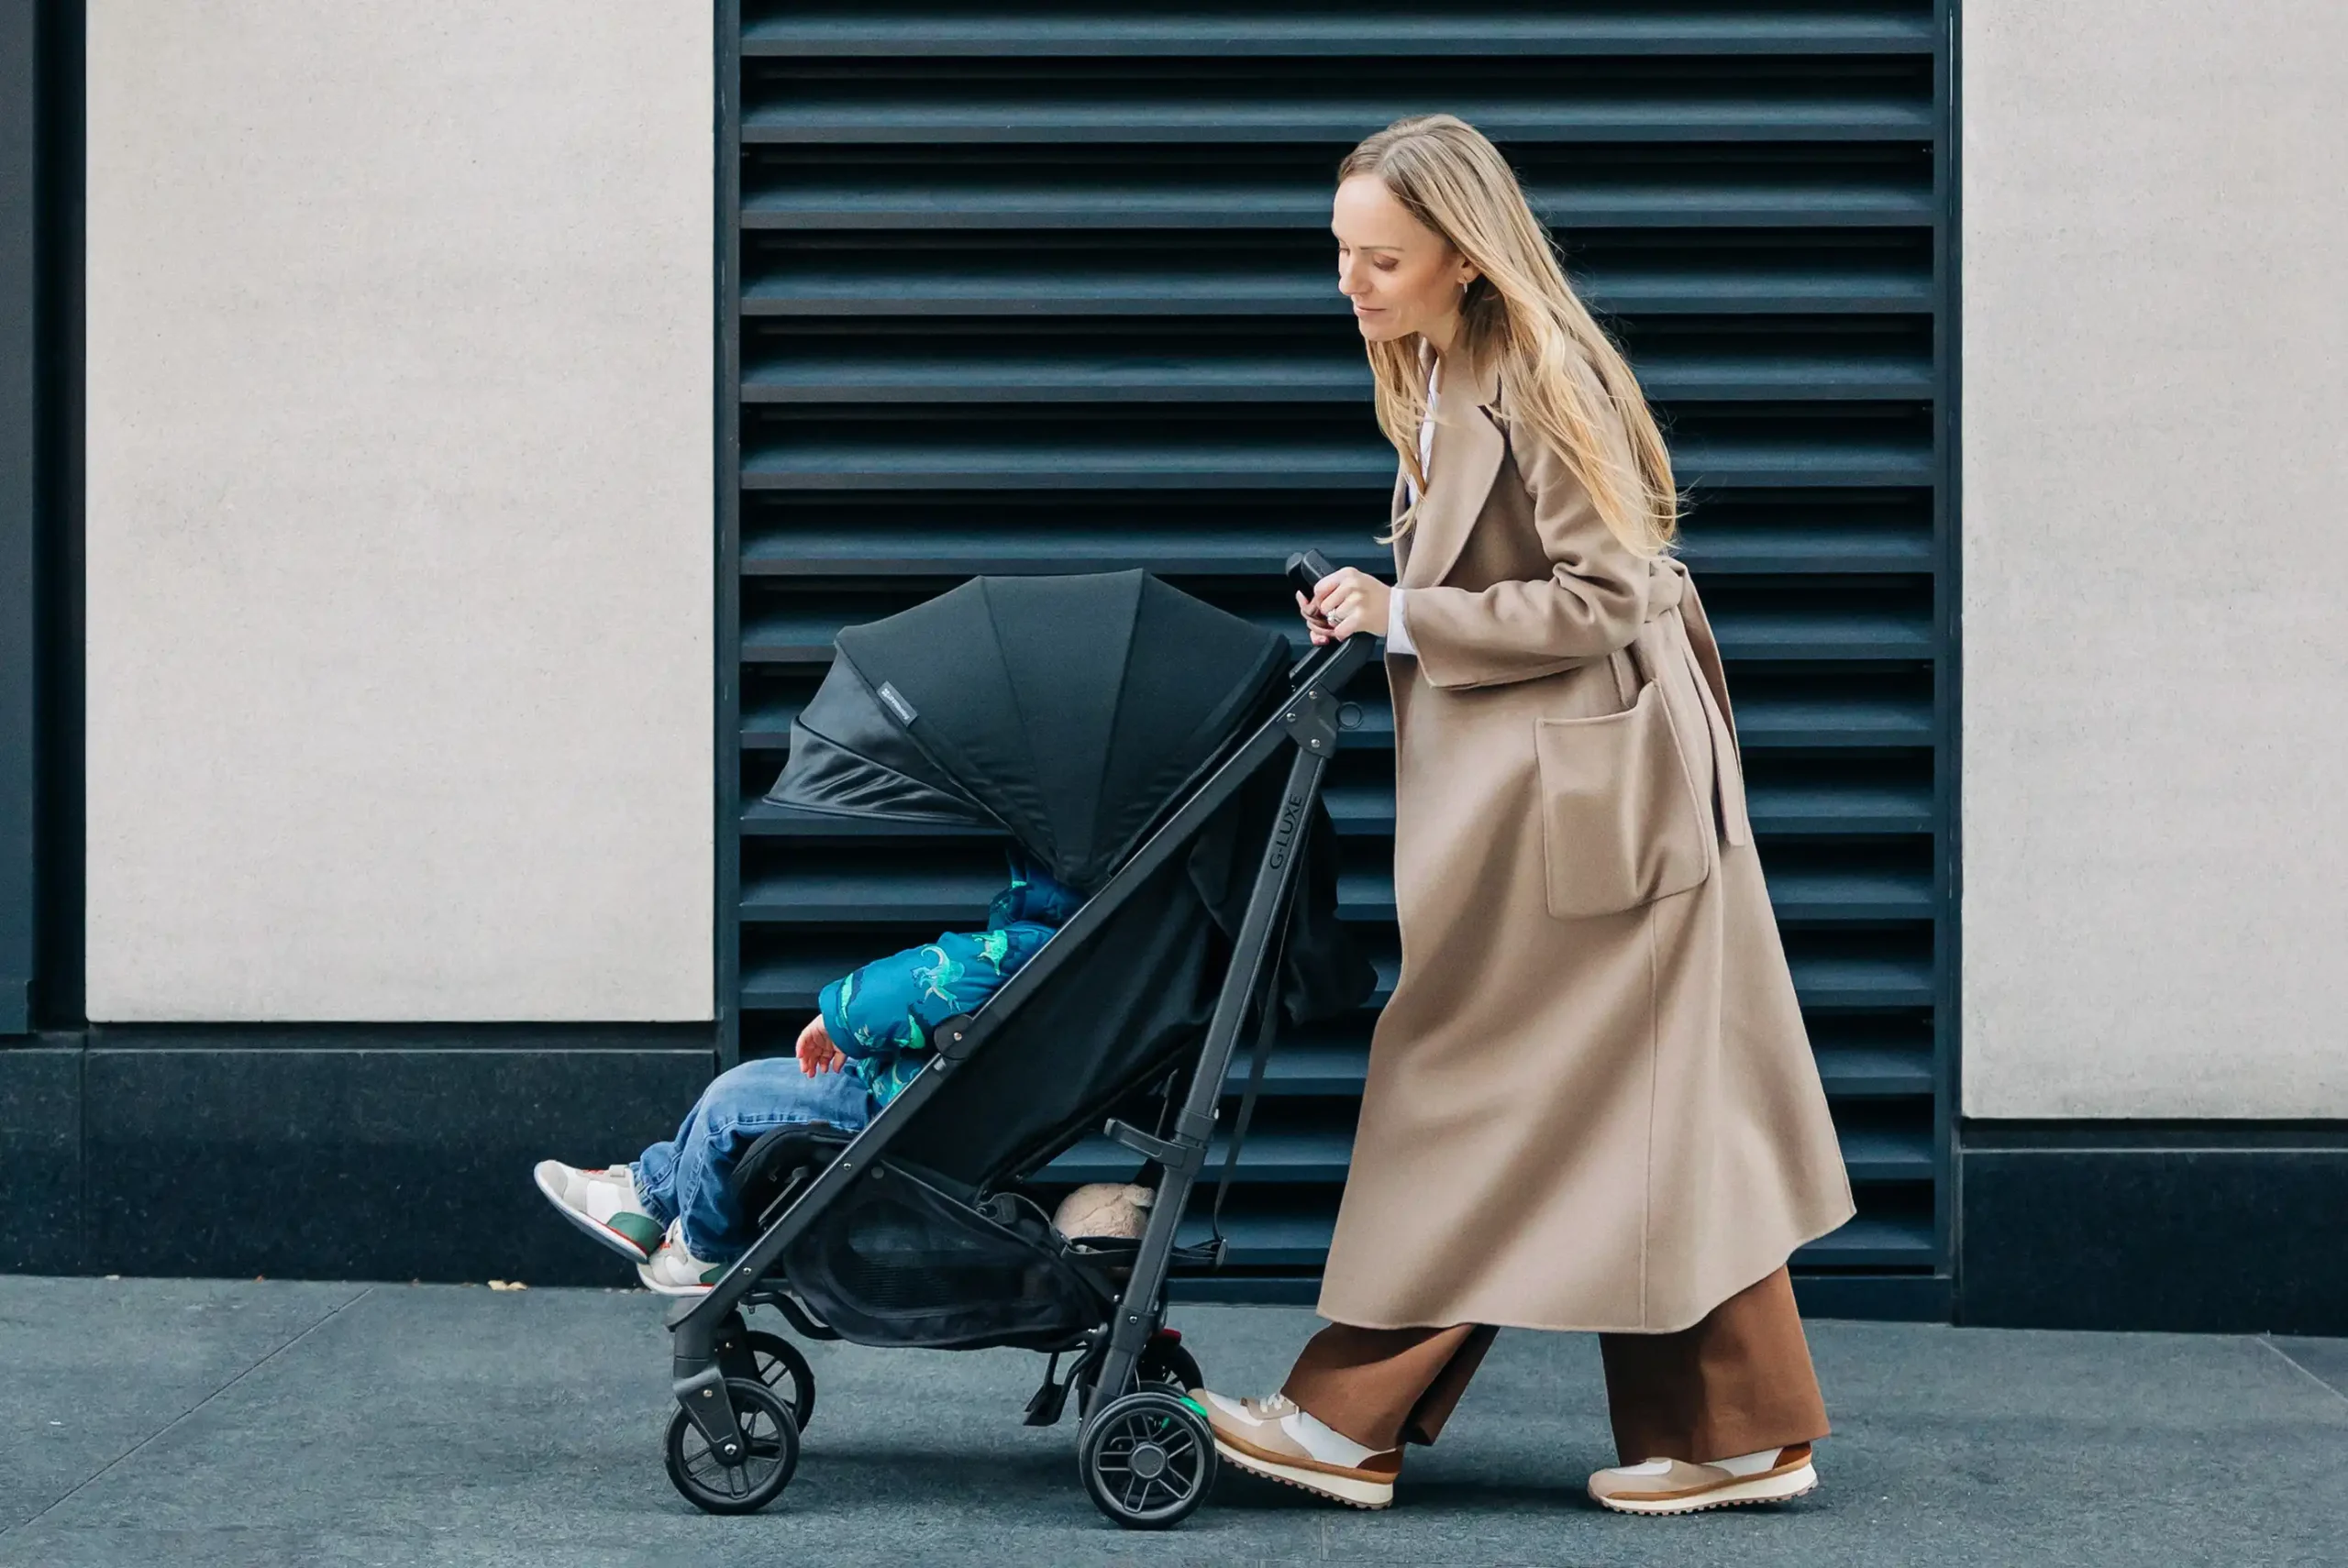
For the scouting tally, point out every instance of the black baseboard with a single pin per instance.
(1876, 1298)
(2232, 1228)
(352, 1151)
(1246, 1290)
(402, 1151)
(41, 1159)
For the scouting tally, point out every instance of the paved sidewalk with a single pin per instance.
(208, 1422)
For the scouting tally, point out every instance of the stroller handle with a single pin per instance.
(1336, 660)
(1305, 570)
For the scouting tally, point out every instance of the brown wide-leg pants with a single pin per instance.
(1738, 1381)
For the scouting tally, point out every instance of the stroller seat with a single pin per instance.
(1122, 732)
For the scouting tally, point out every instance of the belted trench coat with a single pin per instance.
(1591, 1102)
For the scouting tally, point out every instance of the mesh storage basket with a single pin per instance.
(895, 1262)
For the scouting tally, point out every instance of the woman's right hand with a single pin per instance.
(1319, 628)
(1346, 602)
(816, 1052)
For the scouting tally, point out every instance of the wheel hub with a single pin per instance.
(1147, 1460)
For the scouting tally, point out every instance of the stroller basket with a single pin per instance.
(898, 1262)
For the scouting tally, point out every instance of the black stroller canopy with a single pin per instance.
(1070, 709)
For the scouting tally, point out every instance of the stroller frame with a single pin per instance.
(704, 1330)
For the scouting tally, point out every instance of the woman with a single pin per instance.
(1591, 1104)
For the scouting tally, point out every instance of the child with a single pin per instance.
(672, 1213)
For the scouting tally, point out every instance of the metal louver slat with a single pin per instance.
(1047, 289)
(1092, 288)
(1078, 378)
(1288, 1237)
(1357, 34)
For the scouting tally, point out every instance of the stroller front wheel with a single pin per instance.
(771, 1442)
(1164, 1364)
(782, 1368)
(1148, 1459)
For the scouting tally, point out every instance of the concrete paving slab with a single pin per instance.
(95, 1367)
(438, 1425)
(1952, 1446)
(2323, 1360)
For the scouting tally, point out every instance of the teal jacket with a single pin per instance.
(880, 1017)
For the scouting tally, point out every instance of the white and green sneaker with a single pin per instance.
(602, 1204)
(672, 1269)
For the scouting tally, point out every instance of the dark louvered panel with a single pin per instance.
(1049, 290)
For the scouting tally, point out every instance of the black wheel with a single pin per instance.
(784, 1369)
(1148, 1459)
(1165, 1361)
(759, 1476)
(1164, 1364)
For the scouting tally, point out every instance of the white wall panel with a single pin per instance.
(400, 510)
(2156, 566)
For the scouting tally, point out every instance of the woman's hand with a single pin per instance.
(1345, 601)
(816, 1052)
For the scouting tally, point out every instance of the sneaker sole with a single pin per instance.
(593, 1229)
(644, 1273)
(1367, 1495)
(1799, 1483)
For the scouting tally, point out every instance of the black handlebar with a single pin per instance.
(1305, 570)
(1334, 660)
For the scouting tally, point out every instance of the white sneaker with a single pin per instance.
(601, 1204)
(1675, 1487)
(674, 1271)
(1272, 1438)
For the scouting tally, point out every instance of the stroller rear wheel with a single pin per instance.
(1148, 1459)
(771, 1441)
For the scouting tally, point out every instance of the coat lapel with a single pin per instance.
(1469, 447)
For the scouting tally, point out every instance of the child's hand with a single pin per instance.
(816, 1052)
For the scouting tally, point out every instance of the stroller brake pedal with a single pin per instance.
(1045, 1408)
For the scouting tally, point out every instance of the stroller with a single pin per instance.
(1121, 731)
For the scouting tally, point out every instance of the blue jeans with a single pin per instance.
(688, 1175)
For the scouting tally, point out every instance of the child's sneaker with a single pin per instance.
(602, 1204)
(674, 1271)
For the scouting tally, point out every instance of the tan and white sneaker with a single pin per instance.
(1270, 1438)
(1676, 1487)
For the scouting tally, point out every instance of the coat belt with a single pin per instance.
(1672, 600)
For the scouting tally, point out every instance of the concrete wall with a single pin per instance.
(400, 510)
(2156, 525)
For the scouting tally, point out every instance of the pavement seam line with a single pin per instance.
(141, 1445)
(2293, 1362)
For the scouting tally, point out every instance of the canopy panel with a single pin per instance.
(1070, 709)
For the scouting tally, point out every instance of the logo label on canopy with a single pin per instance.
(897, 703)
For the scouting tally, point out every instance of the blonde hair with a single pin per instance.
(1565, 377)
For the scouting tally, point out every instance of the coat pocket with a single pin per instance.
(1621, 825)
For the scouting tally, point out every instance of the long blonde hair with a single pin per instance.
(1564, 376)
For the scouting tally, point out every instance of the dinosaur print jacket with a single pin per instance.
(881, 1016)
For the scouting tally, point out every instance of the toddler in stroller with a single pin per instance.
(1120, 734)
(673, 1213)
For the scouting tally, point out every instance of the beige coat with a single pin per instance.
(1591, 1103)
